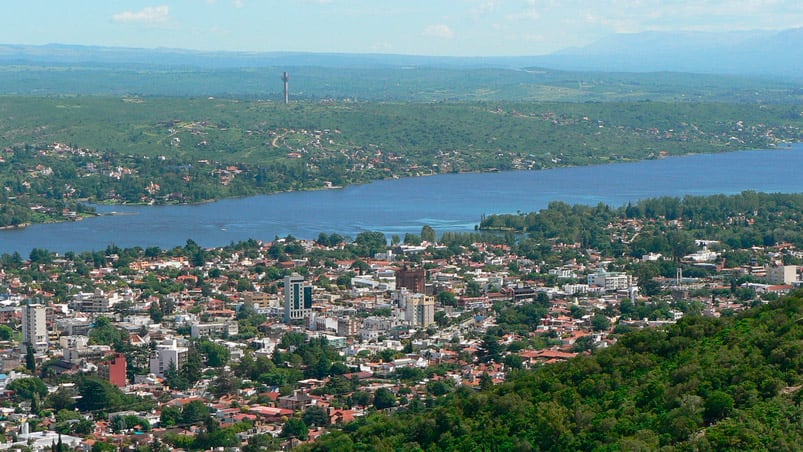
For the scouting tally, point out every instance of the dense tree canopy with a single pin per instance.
(702, 384)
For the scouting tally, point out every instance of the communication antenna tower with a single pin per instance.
(285, 79)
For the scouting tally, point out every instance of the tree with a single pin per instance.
(447, 298)
(438, 388)
(175, 379)
(383, 398)
(718, 404)
(98, 394)
(650, 287)
(30, 358)
(195, 411)
(103, 447)
(258, 443)
(513, 361)
(583, 344)
(155, 312)
(244, 285)
(335, 440)
(370, 243)
(428, 234)
(195, 253)
(171, 415)
(63, 399)
(361, 398)
(191, 369)
(315, 415)
(217, 355)
(6, 333)
(28, 388)
(491, 349)
(224, 384)
(295, 428)
(105, 333)
(412, 239)
(40, 256)
(486, 382)
(441, 319)
(361, 266)
(473, 289)
(600, 322)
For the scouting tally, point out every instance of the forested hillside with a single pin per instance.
(162, 150)
(740, 221)
(701, 384)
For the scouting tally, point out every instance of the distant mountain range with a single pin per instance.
(753, 53)
(760, 52)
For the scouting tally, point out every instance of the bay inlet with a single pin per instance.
(450, 202)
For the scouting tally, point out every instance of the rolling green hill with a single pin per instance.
(158, 150)
(703, 384)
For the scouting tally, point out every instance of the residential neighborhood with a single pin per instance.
(268, 345)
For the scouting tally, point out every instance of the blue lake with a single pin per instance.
(452, 202)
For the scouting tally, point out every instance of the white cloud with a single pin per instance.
(239, 3)
(149, 14)
(439, 31)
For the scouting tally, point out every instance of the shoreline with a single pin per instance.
(781, 146)
(448, 204)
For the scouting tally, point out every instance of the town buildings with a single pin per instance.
(377, 315)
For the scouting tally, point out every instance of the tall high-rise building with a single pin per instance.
(414, 279)
(114, 370)
(419, 310)
(34, 328)
(297, 298)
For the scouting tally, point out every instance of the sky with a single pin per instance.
(414, 27)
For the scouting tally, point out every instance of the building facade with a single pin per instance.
(413, 279)
(167, 354)
(95, 302)
(34, 328)
(420, 310)
(114, 371)
(297, 298)
(610, 281)
(782, 274)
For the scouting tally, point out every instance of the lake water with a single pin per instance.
(452, 202)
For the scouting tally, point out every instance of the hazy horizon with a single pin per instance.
(463, 28)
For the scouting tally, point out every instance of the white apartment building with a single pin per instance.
(96, 302)
(420, 310)
(610, 281)
(166, 353)
(781, 274)
(34, 328)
